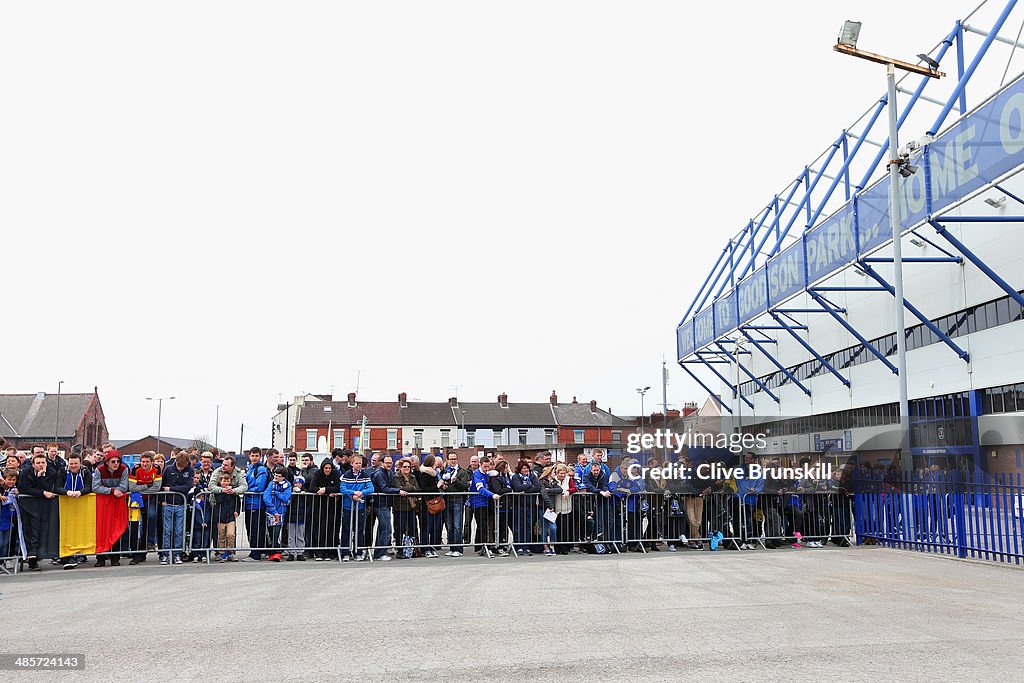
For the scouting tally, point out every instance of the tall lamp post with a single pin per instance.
(216, 429)
(159, 415)
(56, 421)
(898, 166)
(642, 392)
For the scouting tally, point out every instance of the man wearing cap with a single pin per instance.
(110, 478)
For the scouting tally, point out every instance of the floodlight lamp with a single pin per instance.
(907, 170)
(932, 64)
(850, 33)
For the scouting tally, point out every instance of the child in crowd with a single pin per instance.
(226, 510)
(275, 498)
(8, 489)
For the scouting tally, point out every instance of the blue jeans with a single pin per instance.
(454, 513)
(548, 531)
(174, 530)
(383, 516)
(347, 541)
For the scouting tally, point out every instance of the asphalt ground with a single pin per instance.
(831, 614)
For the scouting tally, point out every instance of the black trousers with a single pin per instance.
(484, 517)
(256, 529)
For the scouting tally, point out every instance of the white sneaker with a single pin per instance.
(385, 558)
(455, 553)
(682, 539)
(449, 553)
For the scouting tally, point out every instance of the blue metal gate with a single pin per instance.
(959, 514)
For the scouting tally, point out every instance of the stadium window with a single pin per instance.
(1010, 399)
(1003, 311)
(990, 316)
(986, 402)
(997, 399)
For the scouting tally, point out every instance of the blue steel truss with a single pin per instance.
(766, 265)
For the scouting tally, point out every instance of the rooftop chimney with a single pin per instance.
(351, 399)
(503, 400)
(554, 398)
(402, 400)
(593, 406)
(454, 401)
(573, 399)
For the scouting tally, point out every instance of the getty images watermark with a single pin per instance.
(736, 443)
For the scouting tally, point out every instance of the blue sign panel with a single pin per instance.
(979, 149)
(752, 297)
(725, 313)
(786, 274)
(704, 328)
(831, 245)
(873, 227)
(684, 339)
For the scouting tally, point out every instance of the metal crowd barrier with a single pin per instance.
(145, 531)
(649, 518)
(819, 516)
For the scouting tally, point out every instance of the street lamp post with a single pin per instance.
(216, 429)
(159, 416)
(642, 392)
(56, 421)
(847, 44)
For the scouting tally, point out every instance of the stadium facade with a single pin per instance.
(794, 326)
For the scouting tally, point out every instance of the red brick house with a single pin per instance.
(28, 420)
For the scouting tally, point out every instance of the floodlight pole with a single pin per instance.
(906, 461)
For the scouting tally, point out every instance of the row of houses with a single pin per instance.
(319, 423)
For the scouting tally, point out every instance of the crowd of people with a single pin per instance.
(381, 506)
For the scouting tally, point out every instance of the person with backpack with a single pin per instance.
(257, 478)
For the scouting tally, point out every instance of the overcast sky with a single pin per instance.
(226, 202)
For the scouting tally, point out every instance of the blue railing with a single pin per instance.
(951, 514)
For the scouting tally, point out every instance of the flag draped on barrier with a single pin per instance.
(91, 524)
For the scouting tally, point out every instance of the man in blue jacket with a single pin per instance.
(356, 488)
(257, 477)
(483, 511)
